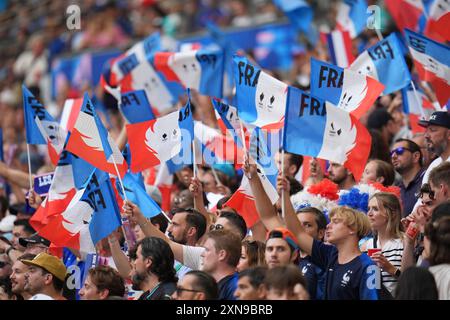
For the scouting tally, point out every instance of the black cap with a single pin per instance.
(438, 118)
(34, 239)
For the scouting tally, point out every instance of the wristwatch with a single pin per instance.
(397, 273)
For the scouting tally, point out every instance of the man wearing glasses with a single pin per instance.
(196, 285)
(406, 158)
(437, 138)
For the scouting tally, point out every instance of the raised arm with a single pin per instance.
(135, 214)
(265, 208)
(305, 240)
(196, 189)
(14, 176)
(121, 140)
(120, 258)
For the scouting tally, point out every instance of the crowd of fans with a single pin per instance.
(316, 245)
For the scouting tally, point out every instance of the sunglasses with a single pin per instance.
(216, 227)
(399, 151)
(3, 264)
(179, 290)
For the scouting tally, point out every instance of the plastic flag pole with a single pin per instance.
(422, 113)
(282, 192)
(29, 166)
(126, 227)
(244, 144)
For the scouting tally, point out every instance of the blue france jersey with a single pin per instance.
(315, 278)
(350, 281)
(227, 286)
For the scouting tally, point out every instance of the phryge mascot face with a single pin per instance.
(187, 68)
(364, 66)
(339, 137)
(270, 100)
(354, 90)
(163, 139)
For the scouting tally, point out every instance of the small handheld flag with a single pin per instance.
(91, 141)
(261, 98)
(432, 60)
(384, 62)
(316, 128)
(348, 90)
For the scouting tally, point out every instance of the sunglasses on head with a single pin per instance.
(399, 151)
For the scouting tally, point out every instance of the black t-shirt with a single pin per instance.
(162, 291)
(227, 287)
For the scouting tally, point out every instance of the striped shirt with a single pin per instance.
(393, 251)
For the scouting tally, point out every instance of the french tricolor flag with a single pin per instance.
(134, 71)
(348, 90)
(201, 69)
(432, 60)
(71, 173)
(384, 62)
(316, 128)
(216, 146)
(70, 113)
(340, 48)
(406, 13)
(91, 141)
(243, 200)
(417, 108)
(40, 126)
(352, 16)
(91, 215)
(156, 141)
(437, 27)
(229, 122)
(261, 99)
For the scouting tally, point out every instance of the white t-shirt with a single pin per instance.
(426, 175)
(441, 273)
(432, 165)
(192, 257)
(393, 251)
(41, 296)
